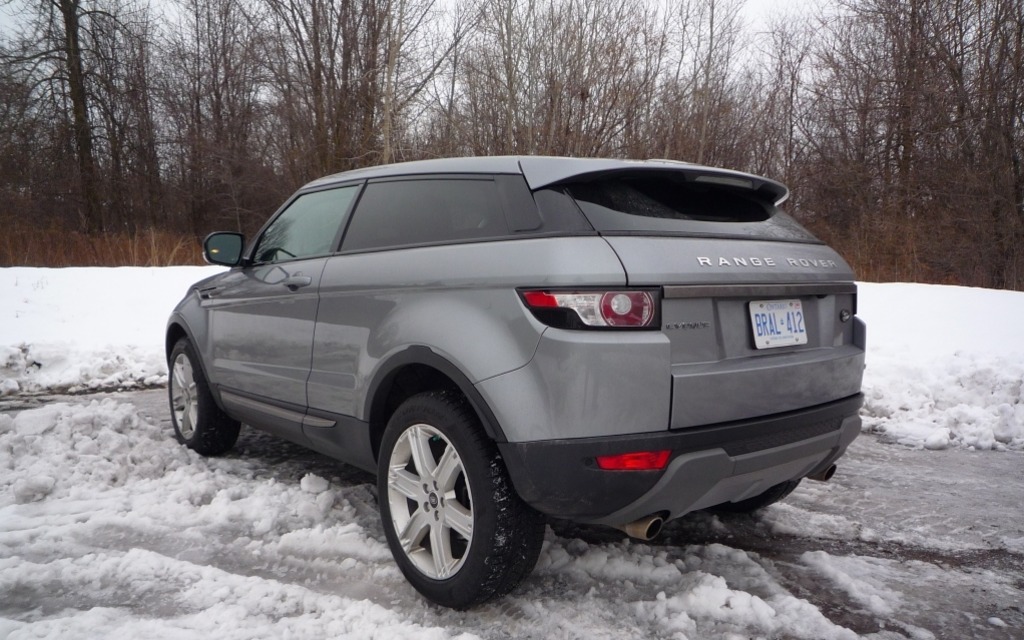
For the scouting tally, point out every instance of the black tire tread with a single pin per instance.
(215, 432)
(511, 556)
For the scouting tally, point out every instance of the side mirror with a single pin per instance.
(224, 247)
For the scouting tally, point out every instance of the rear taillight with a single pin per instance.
(622, 309)
(635, 461)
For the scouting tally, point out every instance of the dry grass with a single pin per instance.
(885, 258)
(63, 248)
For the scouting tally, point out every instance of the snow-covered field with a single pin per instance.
(109, 529)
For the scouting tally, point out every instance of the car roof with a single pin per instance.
(545, 171)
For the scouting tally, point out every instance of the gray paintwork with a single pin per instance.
(261, 329)
(459, 300)
(320, 335)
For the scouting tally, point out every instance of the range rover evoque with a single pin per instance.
(508, 338)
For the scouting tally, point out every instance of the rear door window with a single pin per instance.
(397, 213)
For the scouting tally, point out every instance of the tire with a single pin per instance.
(750, 505)
(454, 523)
(199, 423)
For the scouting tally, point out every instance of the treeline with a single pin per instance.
(898, 124)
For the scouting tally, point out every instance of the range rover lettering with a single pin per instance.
(506, 339)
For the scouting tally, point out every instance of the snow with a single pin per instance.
(945, 366)
(87, 328)
(100, 507)
(109, 528)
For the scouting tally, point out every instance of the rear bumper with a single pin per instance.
(709, 465)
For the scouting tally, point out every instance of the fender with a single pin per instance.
(177, 320)
(387, 371)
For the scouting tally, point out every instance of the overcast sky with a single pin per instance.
(756, 14)
(753, 10)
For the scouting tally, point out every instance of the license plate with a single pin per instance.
(777, 323)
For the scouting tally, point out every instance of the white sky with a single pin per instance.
(753, 11)
(6, 21)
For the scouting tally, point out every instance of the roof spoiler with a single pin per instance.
(543, 172)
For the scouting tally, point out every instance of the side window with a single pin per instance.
(423, 211)
(308, 227)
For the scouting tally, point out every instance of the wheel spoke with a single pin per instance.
(193, 412)
(406, 483)
(448, 469)
(422, 457)
(415, 529)
(178, 399)
(459, 518)
(182, 378)
(441, 548)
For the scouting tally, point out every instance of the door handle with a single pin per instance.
(296, 282)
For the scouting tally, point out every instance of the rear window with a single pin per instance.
(398, 213)
(672, 205)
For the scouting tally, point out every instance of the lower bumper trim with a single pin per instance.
(709, 465)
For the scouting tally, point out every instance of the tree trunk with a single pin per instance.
(91, 216)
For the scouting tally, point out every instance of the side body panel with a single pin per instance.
(458, 300)
(260, 335)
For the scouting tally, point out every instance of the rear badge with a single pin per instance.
(754, 261)
(687, 326)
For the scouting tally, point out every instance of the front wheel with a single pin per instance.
(198, 422)
(457, 529)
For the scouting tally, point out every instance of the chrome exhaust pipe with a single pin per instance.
(644, 528)
(824, 475)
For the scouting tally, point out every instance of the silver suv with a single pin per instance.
(504, 339)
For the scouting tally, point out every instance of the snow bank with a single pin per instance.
(87, 328)
(945, 366)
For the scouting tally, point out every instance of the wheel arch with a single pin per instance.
(175, 331)
(415, 370)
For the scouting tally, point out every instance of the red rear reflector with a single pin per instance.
(540, 299)
(635, 461)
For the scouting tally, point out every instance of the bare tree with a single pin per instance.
(85, 63)
(50, 54)
(212, 95)
(568, 77)
(916, 136)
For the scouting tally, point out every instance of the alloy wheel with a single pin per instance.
(430, 501)
(183, 396)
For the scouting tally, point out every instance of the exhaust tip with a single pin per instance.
(643, 529)
(824, 475)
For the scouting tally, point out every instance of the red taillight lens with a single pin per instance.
(627, 309)
(582, 309)
(635, 461)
